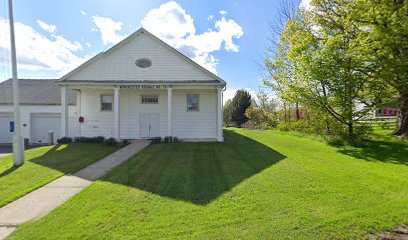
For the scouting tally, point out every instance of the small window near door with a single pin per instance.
(146, 99)
(106, 102)
(192, 102)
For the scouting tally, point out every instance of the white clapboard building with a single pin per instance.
(143, 88)
(40, 108)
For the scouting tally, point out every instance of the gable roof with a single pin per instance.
(34, 92)
(126, 41)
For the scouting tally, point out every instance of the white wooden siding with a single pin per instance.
(28, 110)
(131, 108)
(186, 125)
(120, 64)
(195, 124)
(96, 122)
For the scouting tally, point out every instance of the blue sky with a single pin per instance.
(227, 37)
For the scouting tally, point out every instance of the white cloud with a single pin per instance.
(47, 27)
(210, 17)
(83, 13)
(88, 44)
(230, 93)
(229, 29)
(108, 29)
(223, 12)
(37, 52)
(171, 23)
(305, 4)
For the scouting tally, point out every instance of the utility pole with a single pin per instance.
(18, 147)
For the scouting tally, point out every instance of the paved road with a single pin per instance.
(5, 149)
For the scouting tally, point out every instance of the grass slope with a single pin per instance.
(257, 184)
(45, 164)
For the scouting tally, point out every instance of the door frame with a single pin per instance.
(149, 120)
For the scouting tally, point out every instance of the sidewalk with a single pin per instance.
(40, 202)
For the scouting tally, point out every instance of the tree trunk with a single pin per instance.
(350, 130)
(289, 114)
(402, 126)
(327, 127)
(297, 111)
(284, 111)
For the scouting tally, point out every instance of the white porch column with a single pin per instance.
(64, 112)
(169, 104)
(116, 109)
(220, 136)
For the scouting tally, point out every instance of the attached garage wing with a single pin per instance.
(5, 134)
(42, 124)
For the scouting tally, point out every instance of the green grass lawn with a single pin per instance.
(45, 164)
(258, 184)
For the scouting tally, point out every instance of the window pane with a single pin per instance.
(107, 98)
(106, 102)
(192, 102)
(150, 99)
(106, 106)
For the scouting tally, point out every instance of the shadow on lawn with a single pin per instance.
(196, 172)
(42, 160)
(380, 150)
(66, 158)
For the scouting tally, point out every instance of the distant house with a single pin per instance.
(40, 110)
(143, 88)
(386, 111)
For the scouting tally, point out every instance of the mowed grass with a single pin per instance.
(256, 185)
(44, 164)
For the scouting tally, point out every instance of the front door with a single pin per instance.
(149, 125)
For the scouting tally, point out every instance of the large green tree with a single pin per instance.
(383, 36)
(315, 64)
(234, 110)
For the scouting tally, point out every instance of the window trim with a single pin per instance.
(151, 95)
(101, 103)
(198, 103)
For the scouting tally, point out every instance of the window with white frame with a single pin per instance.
(192, 102)
(106, 102)
(146, 99)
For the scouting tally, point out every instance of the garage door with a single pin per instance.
(42, 123)
(5, 135)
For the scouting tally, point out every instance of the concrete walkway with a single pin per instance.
(40, 202)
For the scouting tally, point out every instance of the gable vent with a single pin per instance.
(143, 62)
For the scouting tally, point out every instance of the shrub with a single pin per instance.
(260, 118)
(167, 139)
(125, 142)
(99, 139)
(79, 139)
(156, 140)
(249, 124)
(64, 140)
(284, 126)
(170, 139)
(111, 141)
